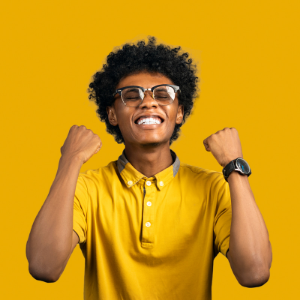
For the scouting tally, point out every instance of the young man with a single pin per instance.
(148, 225)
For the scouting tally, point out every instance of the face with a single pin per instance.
(127, 117)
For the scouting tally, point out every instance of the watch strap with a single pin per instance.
(232, 166)
(228, 169)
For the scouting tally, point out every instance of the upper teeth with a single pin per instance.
(149, 121)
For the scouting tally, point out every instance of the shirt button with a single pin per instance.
(161, 183)
(149, 203)
(129, 182)
(148, 224)
(148, 183)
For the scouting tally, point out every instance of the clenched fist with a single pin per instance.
(224, 145)
(81, 142)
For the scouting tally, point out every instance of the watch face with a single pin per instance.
(243, 166)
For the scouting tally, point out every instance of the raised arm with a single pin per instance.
(52, 239)
(250, 251)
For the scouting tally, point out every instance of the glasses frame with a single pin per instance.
(119, 91)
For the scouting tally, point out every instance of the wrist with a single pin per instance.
(228, 160)
(74, 159)
(234, 176)
(238, 165)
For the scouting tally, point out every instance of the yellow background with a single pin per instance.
(248, 57)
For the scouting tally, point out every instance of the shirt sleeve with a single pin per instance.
(223, 215)
(80, 209)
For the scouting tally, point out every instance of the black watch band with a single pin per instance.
(239, 165)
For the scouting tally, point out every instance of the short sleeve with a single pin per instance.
(223, 215)
(80, 209)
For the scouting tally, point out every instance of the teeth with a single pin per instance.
(149, 121)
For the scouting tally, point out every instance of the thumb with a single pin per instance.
(97, 150)
(205, 143)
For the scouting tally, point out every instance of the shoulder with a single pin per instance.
(200, 175)
(194, 171)
(95, 176)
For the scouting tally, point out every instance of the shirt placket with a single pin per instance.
(148, 226)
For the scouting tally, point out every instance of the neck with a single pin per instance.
(149, 159)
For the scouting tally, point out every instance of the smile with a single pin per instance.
(149, 119)
(142, 121)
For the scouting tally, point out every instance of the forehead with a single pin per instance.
(144, 79)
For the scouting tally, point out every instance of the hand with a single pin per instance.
(224, 145)
(81, 142)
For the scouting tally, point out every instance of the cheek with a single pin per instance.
(123, 124)
(173, 115)
(124, 120)
(120, 111)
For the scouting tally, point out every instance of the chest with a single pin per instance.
(174, 217)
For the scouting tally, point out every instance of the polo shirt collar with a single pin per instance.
(131, 176)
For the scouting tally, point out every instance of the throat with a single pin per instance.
(149, 159)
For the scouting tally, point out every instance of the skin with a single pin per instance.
(250, 253)
(147, 147)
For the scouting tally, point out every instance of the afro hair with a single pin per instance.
(141, 57)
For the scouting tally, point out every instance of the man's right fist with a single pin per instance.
(81, 142)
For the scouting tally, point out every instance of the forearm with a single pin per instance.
(50, 240)
(250, 249)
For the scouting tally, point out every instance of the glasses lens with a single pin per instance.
(164, 95)
(132, 96)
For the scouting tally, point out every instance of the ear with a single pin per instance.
(180, 113)
(112, 117)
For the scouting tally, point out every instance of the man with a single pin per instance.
(148, 225)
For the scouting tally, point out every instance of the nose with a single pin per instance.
(148, 100)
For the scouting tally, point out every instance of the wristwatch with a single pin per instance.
(239, 165)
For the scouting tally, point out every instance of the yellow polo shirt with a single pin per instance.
(151, 238)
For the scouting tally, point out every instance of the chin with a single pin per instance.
(150, 144)
(150, 140)
(154, 142)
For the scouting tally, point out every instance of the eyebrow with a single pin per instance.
(132, 89)
(138, 86)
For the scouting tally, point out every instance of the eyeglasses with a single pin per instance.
(133, 96)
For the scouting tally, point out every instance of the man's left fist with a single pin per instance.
(224, 145)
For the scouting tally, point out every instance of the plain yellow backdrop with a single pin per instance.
(248, 59)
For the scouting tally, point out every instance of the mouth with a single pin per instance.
(149, 120)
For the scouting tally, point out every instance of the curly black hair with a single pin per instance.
(152, 58)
